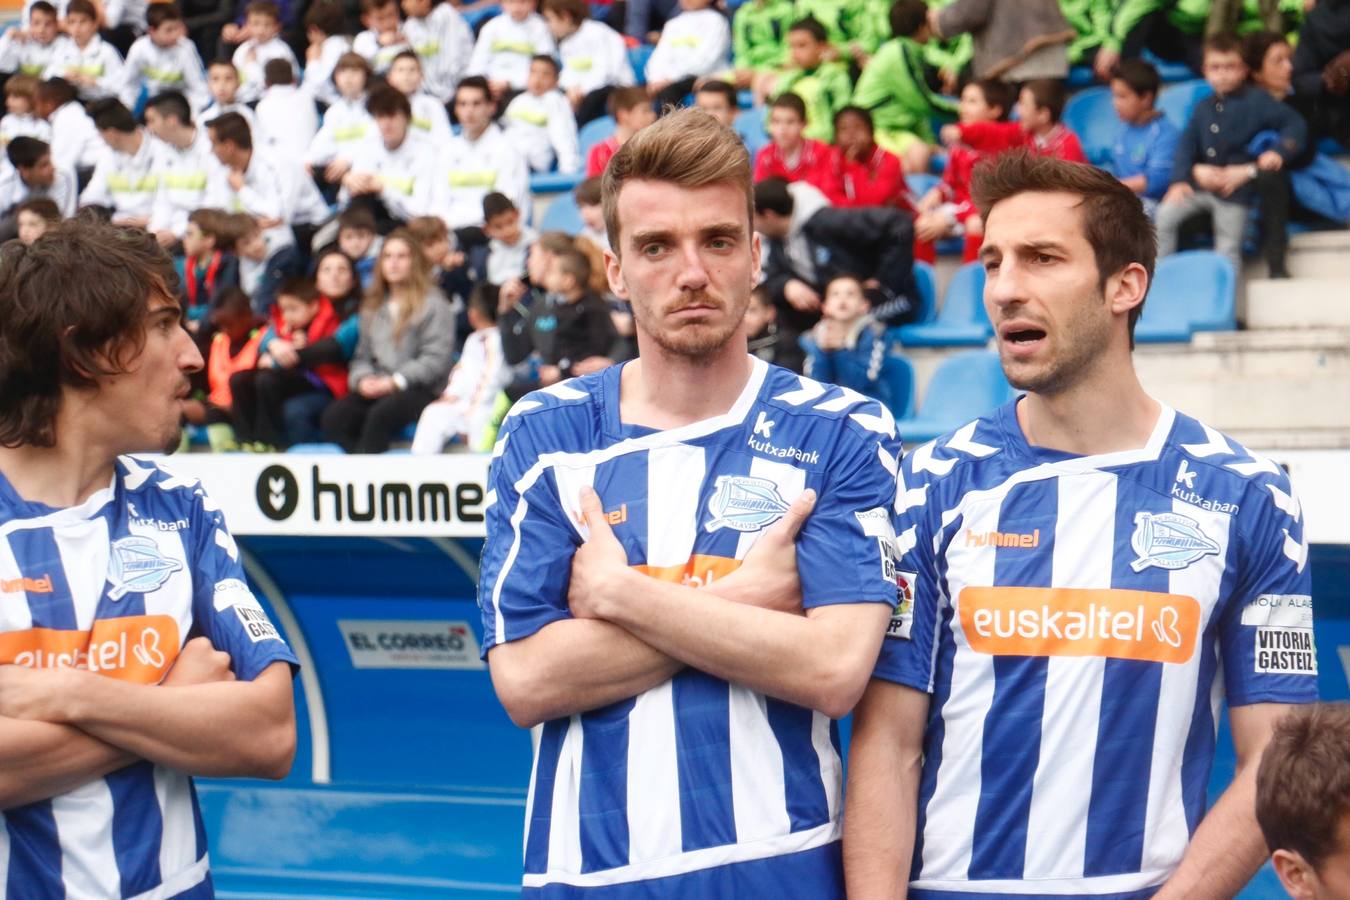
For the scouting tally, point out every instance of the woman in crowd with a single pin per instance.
(403, 355)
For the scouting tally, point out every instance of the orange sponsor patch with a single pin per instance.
(23, 584)
(697, 572)
(130, 648)
(1119, 624)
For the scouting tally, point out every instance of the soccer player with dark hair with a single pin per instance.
(640, 589)
(1085, 571)
(115, 562)
(1303, 802)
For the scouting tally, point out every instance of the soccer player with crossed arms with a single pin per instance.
(1088, 573)
(132, 653)
(639, 583)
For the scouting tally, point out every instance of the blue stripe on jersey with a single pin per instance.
(723, 541)
(1198, 757)
(137, 827)
(1128, 715)
(36, 551)
(603, 799)
(1006, 781)
(132, 603)
(922, 894)
(703, 754)
(545, 771)
(34, 852)
(622, 482)
(817, 873)
(806, 803)
(936, 729)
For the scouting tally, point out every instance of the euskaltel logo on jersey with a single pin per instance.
(1103, 622)
(130, 648)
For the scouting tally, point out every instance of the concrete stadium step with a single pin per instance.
(1275, 389)
(1320, 254)
(1298, 303)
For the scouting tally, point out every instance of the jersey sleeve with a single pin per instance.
(1266, 633)
(223, 605)
(908, 652)
(527, 556)
(844, 551)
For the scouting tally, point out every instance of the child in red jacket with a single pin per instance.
(1039, 107)
(864, 174)
(234, 348)
(947, 209)
(261, 395)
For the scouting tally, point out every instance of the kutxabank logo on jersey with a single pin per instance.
(744, 503)
(1168, 541)
(137, 565)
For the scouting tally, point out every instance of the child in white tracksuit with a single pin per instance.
(465, 407)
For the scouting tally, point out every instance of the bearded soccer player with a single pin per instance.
(132, 653)
(680, 689)
(1091, 572)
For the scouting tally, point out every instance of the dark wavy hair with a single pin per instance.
(73, 309)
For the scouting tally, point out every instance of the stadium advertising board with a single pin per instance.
(327, 495)
(445, 496)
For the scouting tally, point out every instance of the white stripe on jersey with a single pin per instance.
(564, 833)
(831, 766)
(654, 826)
(189, 877)
(672, 508)
(13, 616)
(4, 855)
(758, 791)
(178, 845)
(83, 819)
(1067, 887)
(63, 517)
(166, 600)
(946, 854)
(89, 544)
(1059, 804)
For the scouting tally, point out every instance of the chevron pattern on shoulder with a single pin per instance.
(1255, 466)
(1287, 502)
(923, 461)
(1297, 551)
(809, 390)
(1215, 444)
(963, 441)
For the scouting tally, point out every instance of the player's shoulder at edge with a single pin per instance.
(797, 395)
(976, 442)
(1220, 462)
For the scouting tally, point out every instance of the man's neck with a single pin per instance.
(185, 138)
(793, 153)
(474, 135)
(60, 476)
(666, 390)
(88, 41)
(1080, 421)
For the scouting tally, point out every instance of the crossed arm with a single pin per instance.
(630, 632)
(60, 728)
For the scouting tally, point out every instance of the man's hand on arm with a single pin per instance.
(885, 762)
(1228, 848)
(579, 664)
(820, 661)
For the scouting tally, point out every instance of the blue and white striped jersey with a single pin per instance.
(1078, 621)
(697, 787)
(117, 585)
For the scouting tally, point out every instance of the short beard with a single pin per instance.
(1082, 345)
(694, 342)
(173, 444)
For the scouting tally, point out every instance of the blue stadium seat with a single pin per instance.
(897, 385)
(1192, 291)
(637, 58)
(964, 387)
(920, 183)
(925, 280)
(745, 99)
(1090, 116)
(314, 448)
(1081, 77)
(750, 126)
(563, 215)
(593, 132)
(476, 17)
(554, 182)
(1177, 100)
(1169, 72)
(962, 321)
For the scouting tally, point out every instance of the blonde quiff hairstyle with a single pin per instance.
(686, 147)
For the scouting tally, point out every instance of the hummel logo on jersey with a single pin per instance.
(1186, 476)
(764, 425)
(24, 584)
(1003, 539)
(745, 503)
(137, 565)
(1168, 541)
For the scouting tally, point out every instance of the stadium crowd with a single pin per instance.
(350, 206)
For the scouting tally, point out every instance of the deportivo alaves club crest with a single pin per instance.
(137, 565)
(1168, 541)
(744, 503)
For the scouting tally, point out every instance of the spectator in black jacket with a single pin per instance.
(1213, 173)
(1322, 70)
(809, 242)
